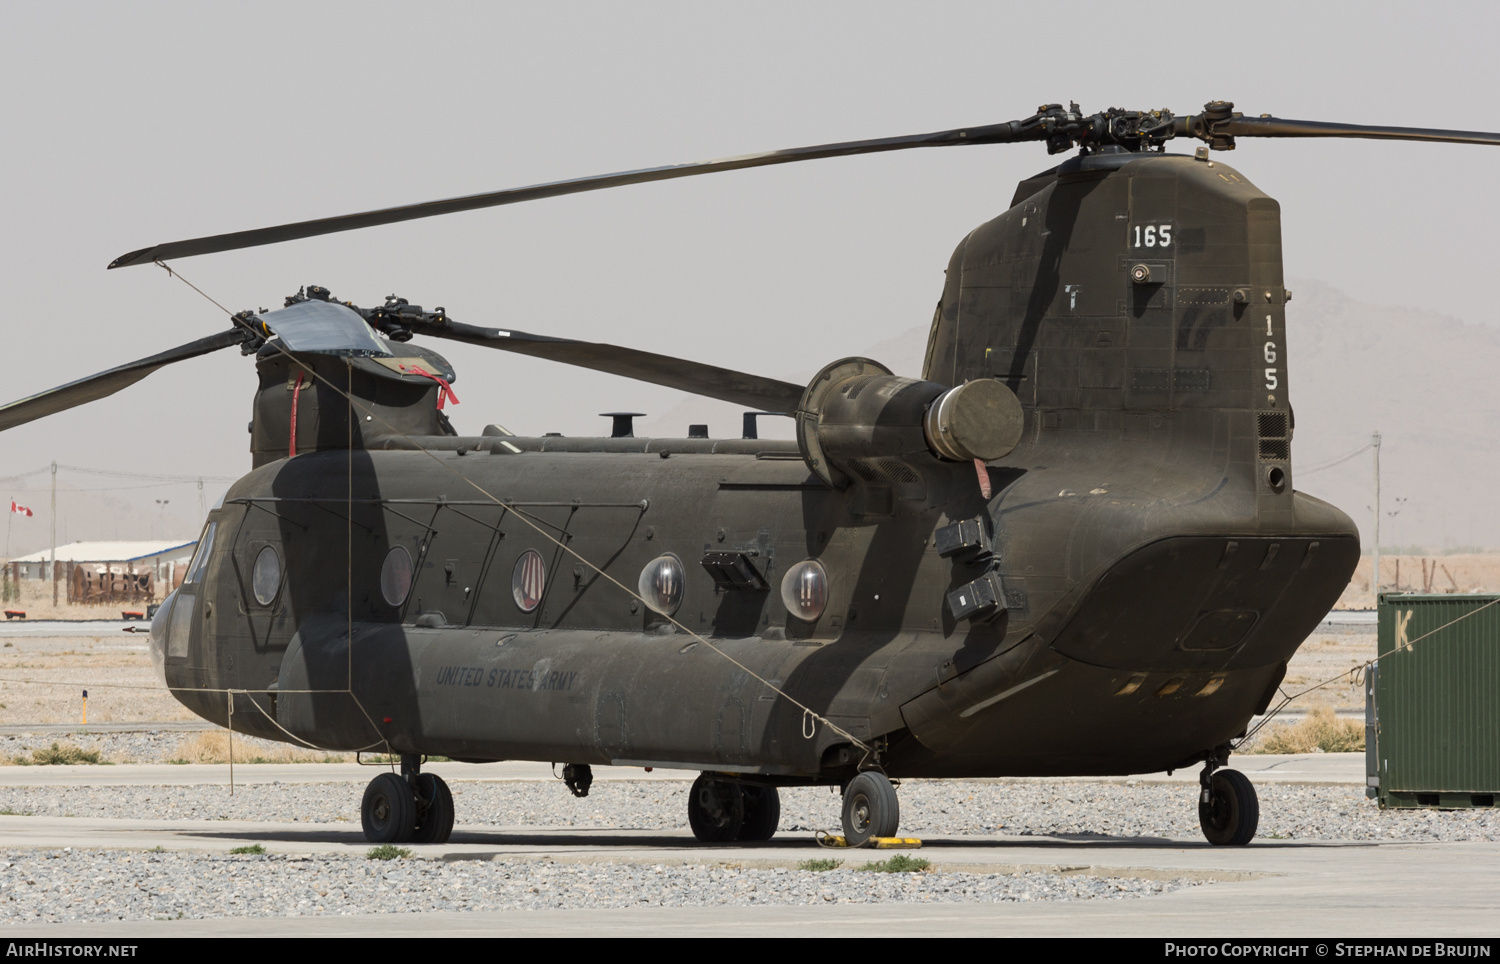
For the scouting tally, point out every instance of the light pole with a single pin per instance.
(53, 568)
(1396, 534)
(1395, 529)
(1375, 574)
(162, 515)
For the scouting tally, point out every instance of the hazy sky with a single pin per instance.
(130, 124)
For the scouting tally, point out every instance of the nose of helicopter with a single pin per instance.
(159, 624)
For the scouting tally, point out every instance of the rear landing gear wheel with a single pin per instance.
(388, 811)
(762, 813)
(434, 822)
(1228, 809)
(870, 808)
(716, 809)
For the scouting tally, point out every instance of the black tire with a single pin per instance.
(435, 821)
(388, 811)
(870, 808)
(1232, 812)
(716, 809)
(762, 813)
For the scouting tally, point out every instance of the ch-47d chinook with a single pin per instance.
(1072, 547)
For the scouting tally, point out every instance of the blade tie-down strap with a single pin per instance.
(291, 443)
(445, 391)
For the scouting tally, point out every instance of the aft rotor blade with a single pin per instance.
(740, 388)
(989, 134)
(106, 383)
(1282, 127)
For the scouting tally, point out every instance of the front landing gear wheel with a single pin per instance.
(870, 808)
(762, 813)
(388, 811)
(434, 822)
(716, 809)
(1228, 809)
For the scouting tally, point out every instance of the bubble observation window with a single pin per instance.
(661, 584)
(804, 590)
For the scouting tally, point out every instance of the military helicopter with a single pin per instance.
(1072, 547)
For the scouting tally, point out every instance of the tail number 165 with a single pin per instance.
(1151, 235)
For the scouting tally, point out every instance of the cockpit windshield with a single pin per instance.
(199, 561)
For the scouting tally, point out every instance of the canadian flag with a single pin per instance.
(19, 508)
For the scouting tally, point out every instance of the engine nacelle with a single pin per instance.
(856, 408)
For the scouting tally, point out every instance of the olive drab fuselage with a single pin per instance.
(1154, 567)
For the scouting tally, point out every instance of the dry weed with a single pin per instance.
(1321, 730)
(213, 747)
(65, 754)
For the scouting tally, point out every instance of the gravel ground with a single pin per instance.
(101, 885)
(66, 885)
(156, 746)
(151, 746)
(1075, 810)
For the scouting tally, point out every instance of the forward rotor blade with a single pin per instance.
(739, 388)
(106, 383)
(1282, 127)
(989, 134)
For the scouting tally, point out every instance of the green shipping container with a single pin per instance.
(1432, 702)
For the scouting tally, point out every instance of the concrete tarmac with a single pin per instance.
(84, 730)
(1331, 768)
(73, 628)
(1269, 888)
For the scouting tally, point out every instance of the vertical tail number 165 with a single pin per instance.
(1270, 356)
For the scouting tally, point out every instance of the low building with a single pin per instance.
(107, 572)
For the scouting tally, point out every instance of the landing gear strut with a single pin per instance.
(721, 810)
(578, 777)
(1227, 806)
(413, 806)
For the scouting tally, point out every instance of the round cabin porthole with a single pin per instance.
(528, 581)
(661, 584)
(265, 577)
(395, 576)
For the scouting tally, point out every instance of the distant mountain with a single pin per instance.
(1428, 382)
